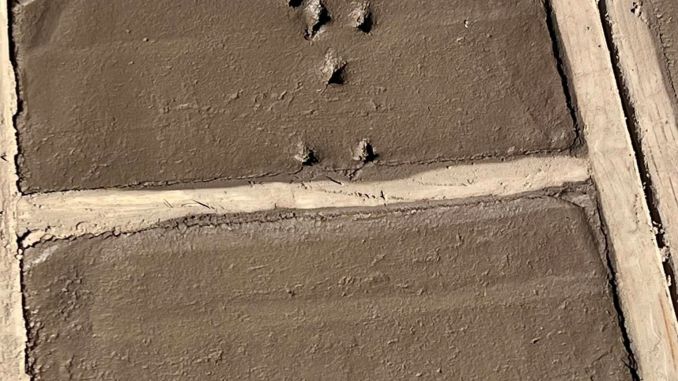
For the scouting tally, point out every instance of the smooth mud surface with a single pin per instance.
(512, 290)
(132, 93)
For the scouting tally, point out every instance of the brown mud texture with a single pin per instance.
(662, 16)
(510, 290)
(133, 93)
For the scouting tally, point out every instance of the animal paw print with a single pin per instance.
(316, 17)
(362, 18)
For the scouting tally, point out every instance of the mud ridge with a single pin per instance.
(19, 101)
(30, 335)
(563, 72)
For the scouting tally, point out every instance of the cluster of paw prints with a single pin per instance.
(316, 16)
(362, 153)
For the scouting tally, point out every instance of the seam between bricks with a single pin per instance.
(317, 214)
(608, 260)
(11, 96)
(610, 265)
(641, 160)
(129, 211)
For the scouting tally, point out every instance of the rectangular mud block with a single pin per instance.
(512, 290)
(132, 93)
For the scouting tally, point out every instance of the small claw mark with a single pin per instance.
(334, 69)
(204, 205)
(364, 152)
(362, 18)
(316, 15)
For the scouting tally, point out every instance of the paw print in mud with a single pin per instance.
(317, 17)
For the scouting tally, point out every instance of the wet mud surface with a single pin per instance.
(511, 290)
(127, 93)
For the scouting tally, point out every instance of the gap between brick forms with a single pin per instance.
(651, 119)
(647, 308)
(70, 214)
(12, 325)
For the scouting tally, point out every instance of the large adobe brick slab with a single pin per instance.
(511, 291)
(127, 93)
